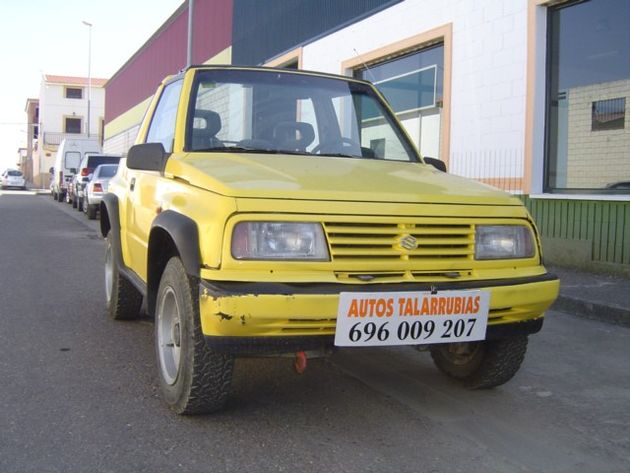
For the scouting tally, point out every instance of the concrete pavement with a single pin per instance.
(593, 296)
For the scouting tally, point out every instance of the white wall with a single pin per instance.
(488, 72)
(121, 142)
(53, 107)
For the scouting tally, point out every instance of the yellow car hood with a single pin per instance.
(328, 178)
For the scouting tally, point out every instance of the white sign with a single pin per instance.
(411, 318)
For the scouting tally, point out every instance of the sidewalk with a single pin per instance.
(594, 296)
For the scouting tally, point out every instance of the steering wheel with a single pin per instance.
(335, 145)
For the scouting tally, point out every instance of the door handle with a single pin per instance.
(133, 184)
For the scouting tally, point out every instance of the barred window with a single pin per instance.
(608, 114)
(74, 93)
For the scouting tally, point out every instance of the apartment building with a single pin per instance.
(61, 111)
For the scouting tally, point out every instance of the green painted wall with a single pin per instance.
(590, 234)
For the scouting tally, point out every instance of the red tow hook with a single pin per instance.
(300, 362)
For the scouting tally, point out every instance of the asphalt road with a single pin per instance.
(79, 391)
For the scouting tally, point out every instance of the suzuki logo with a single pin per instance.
(408, 242)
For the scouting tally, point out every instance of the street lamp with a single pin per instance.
(89, 94)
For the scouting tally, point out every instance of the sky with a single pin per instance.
(47, 37)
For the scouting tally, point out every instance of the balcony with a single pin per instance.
(55, 138)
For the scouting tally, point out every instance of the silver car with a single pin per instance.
(97, 188)
(12, 178)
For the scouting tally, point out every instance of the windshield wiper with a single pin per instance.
(235, 149)
(245, 149)
(340, 155)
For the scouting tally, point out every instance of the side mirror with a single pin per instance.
(436, 163)
(147, 157)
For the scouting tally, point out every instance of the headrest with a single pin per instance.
(300, 133)
(211, 122)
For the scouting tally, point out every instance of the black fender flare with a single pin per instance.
(109, 207)
(185, 235)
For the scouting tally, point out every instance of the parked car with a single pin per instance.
(13, 178)
(87, 166)
(619, 185)
(96, 188)
(67, 160)
(273, 227)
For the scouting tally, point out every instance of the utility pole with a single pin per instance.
(89, 93)
(191, 7)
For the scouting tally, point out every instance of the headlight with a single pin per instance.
(279, 240)
(503, 242)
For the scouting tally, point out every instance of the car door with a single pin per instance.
(142, 204)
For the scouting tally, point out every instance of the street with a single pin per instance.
(79, 391)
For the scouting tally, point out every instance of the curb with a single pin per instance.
(611, 314)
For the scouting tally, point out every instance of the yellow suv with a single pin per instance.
(267, 211)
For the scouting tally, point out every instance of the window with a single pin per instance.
(608, 114)
(73, 125)
(72, 160)
(74, 93)
(162, 128)
(413, 84)
(587, 138)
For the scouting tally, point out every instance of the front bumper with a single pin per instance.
(251, 318)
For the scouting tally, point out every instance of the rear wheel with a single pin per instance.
(80, 205)
(74, 203)
(91, 211)
(481, 365)
(193, 378)
(123, 299)
(60, 196)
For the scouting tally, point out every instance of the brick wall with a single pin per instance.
(596, 158)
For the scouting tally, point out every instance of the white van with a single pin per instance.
(69, 155)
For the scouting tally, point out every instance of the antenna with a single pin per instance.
(373, 79)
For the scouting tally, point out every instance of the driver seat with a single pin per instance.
(206, 125)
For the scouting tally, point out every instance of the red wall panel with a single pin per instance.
(165, 54)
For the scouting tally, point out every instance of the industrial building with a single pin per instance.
(530, 96)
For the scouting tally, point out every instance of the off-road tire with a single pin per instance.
(123, 299)
(201, 380)
(490, 363)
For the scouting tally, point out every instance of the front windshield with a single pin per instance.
(282, 112)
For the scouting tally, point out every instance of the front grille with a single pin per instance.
(390, 241)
